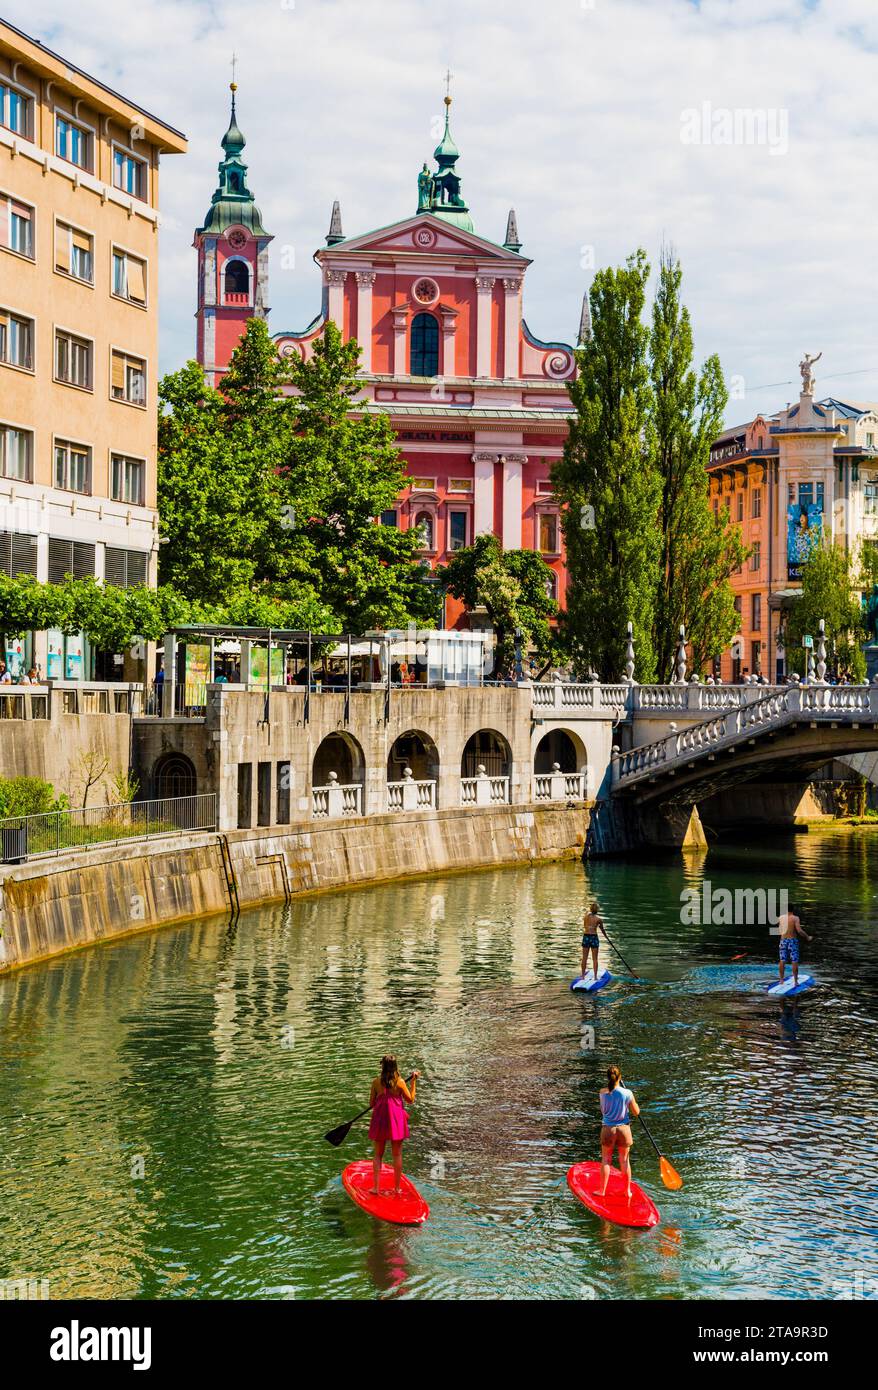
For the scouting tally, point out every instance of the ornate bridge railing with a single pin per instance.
(781, 706)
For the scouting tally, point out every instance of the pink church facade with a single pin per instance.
(478, 403)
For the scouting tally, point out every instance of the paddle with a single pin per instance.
(340, 1133)
(618, 952)
(670, 1177)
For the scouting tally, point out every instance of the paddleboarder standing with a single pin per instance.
(591, 924)
(387, 1101)
(790, 928)
(617, 1106)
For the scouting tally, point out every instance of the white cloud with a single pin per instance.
(571, 113)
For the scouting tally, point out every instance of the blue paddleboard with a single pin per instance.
(587, 984)
(784, 990)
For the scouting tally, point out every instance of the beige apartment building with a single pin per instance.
(79, 216)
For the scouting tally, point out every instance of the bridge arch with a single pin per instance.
(489, 749)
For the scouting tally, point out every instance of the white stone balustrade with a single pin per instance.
(483, 790)
(336, 799)
(410, 794)
(767, 709)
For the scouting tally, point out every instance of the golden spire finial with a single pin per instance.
(233, 86)
(448, 76)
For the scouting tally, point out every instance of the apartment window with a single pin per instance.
(129, 277)
(72, 466)
(756, 612)
(870, 440)
(552, 586)
(74, 252)
(388, 518)
(125, 568)
(128, 479)
(70, 557)
(73, 360)
(16, 110)
(457, 530)
(870, 499)
(740, 506)
(548, 533)
(756, 556)
(18, 554)
(16, 340)
(16, 226)
(756, 503)
(128, 378)
(73, 142)
(16, 453)
(738, 604)
(129, 173)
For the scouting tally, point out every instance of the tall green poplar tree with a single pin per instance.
(699, 551)
(608, 484)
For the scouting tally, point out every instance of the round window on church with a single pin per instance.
(425, 291)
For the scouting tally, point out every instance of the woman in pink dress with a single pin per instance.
(389, 1119)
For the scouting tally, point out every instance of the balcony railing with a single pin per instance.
(411, 795)
(483, 790)
(336, 799)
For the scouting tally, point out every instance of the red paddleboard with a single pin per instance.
(640, 1210)
(408, 1209)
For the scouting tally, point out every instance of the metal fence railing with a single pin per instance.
(90, 827)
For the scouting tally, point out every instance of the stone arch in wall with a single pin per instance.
(489, 749)
(339, 753)
(173, 775)
(236, 277)
(563, 747)
(416, 750)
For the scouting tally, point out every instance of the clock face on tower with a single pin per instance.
(237, 238)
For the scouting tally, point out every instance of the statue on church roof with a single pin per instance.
(425, 189)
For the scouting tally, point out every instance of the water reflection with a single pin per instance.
(163, 1099)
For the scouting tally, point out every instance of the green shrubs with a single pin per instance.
(28, 796)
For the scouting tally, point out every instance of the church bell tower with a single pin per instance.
(232, 248)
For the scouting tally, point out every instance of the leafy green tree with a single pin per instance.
(371, 576)
(608, 484)
(699, 552)
(212, 490)
(28, 796)
(831, 581)
(269, 492)
(511, 586)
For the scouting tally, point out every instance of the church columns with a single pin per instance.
(400, 335)
(365, 281)
(513, 465)
(483, 493)
(511, 322)
(484, 291)
(335, 279)
(449, 329)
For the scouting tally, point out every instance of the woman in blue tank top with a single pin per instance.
(617, 1106)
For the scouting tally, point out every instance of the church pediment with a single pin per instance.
(424, 235)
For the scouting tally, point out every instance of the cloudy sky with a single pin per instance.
(744, 132)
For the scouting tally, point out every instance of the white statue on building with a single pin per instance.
(805, 367)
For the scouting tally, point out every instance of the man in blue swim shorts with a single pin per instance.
(790, 928)
(591, 923)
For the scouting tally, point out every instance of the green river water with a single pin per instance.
(163, 1098)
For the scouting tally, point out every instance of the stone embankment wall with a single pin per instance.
(51, 906)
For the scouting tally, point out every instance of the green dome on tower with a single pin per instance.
(440, 193)
(233, 204)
